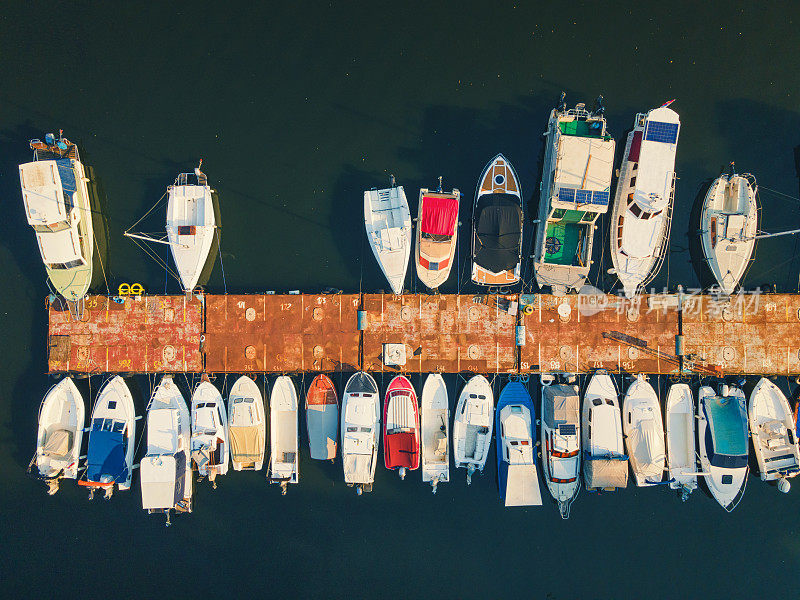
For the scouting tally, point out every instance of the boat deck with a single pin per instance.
(440, 333)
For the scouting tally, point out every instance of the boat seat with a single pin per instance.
(440, 444)
(734, 227)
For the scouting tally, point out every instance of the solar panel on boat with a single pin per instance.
(661, 132)
(583, 196)
(566, 429)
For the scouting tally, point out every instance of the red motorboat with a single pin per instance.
(401, 426)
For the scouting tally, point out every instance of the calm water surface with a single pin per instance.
(295, 109)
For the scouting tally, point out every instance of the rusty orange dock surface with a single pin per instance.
(428, 333)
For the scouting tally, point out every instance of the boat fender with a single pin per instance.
(362, 320)
(784, 485)
(679, 345)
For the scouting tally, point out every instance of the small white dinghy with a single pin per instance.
(247, 425)
(62, 417)
(561, 443)
(722, 441)
(165, 471)
(283, 433)
(644, 432)
(190, 225)
(681, 449)
(772, 429)
(605, 464)
(209, 431)
(387, 220)
(473, 425)
(111, 440)
(360, 430)
(728, 228)
(435, 431)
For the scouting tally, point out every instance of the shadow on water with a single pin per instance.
(696, 255)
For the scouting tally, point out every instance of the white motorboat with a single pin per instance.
(497, 225)
(560, 440)
(165, 471)
(387, 220)
(283, 434)
(516, 462)
(644, 432)
(574, 192)
(209, 431)
(772, 428)
(681, 448)
(437, 233)
(401, 437)
(360, 430)
(642, 214)
(605, 464)
(728, 228)
(435, 431)
(58, 209)
(191, 225)
(112, 440)
(722, 441)
(473, 424)
(62, 417)
(190, 228)
(247, 425)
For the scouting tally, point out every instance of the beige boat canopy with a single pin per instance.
(561, 405)
(58, 443)
(606, 473)
(247, 444)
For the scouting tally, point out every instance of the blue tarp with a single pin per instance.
(67, 175)
(106, 456)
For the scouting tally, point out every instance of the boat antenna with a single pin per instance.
(392, 179)
(562, 104)
(599, 109)
(440, 184)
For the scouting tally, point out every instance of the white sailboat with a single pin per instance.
(772, 428)
(111, 440)
(605, 462)
(387, 220)
(681, 448)
(473, 424)
(209, 431)
(58, 209)
(190, 227)
(62, 417)
(574, 192)
(560, 441)
(284, 434)
(644, 432)
(728, 227)
(722, 441)
(165, 471)
(642, 214)
(360, 430)
(435, 431)
(247, 425)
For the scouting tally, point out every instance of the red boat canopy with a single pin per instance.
(439, 215)
(636, 146)
(402, 450)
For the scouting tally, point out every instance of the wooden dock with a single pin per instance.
(428, 333)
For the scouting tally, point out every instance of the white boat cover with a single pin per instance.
(358, 467)
(58, 443)
(522, 486)
(561, 406)
(159, 476)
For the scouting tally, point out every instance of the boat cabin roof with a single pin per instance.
(655, 149)
(47, 188)
(582, 178)
(162, 479)
(727, 423)
(162, 430)
(606, 428)
(561, 405)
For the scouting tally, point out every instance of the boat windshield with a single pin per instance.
(498, 232)
(726, 435)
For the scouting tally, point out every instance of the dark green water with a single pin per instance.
(296, 108)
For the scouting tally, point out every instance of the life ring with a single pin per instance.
(527, 309)
(124, 289)
(137, 289)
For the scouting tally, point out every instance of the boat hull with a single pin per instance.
(681, 448)
(435, 431)
(360, 431)
(62, 409)
(322, 418)
(191, 226)
(434, 259)
(473, 424)
(247, 425)
(210, 443)
(284, 434)
(772, 430)
(387, 221)
(401, 426)
(644, 433)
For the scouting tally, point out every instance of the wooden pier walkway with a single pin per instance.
(428, 333)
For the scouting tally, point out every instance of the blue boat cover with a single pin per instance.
(106, 456)
(513, 393)
(67, 175)
(726, 435)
